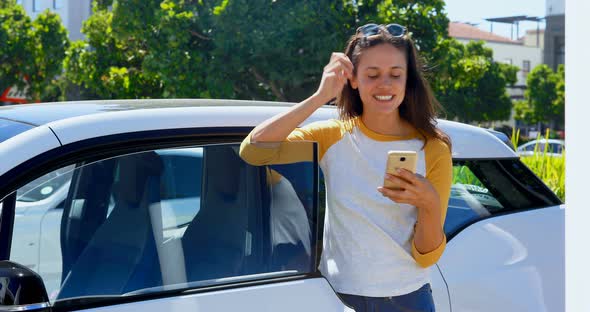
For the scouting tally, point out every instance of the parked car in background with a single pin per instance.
(552, 147)
(146, 204)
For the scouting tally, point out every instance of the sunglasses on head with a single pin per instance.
(395, 30)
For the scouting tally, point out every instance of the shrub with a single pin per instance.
(550, 169)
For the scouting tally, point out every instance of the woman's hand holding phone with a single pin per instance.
(402, 185)
(413, 189)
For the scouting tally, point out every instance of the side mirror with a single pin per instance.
(21, 289)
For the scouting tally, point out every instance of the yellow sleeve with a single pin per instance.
(439, 171)
(325, 133)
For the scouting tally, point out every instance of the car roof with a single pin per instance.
(43, 113)
(56, 124)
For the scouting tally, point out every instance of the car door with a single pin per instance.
(505, 231)
(181, 225)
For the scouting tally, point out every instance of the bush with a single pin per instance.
(550, 169)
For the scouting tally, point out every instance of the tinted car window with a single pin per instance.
(175, 218)
(45, 186)
(532, 147)
(483, 188)
(470, 199)
(181, 185)
(555, 148)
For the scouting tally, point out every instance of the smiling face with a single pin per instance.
(380, 78)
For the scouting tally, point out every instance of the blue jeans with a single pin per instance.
(416, 301)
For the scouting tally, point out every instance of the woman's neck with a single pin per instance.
(387, 124)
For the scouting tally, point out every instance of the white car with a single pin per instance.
(146, 205)
(552, 147)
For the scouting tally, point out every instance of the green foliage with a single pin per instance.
(514, 138)
(249, 49)
(524, 112)
(31, 50)
(268, 50)
(544, 97)
(463, 175)
(16, 50)
(551, 169)
(275, 50)
(107, 64)
(469, 84)
(51, 43)
(426, 19)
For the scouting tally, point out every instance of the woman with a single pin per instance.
(378, 242)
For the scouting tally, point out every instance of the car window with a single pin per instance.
(542, 147)
(45, 186)
(531, 147)
(181, 186)
(469, 200)
(172, 218)
(555, 148)
(484, 188)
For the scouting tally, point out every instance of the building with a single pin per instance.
(72, 12)
(555, 33)
(534, 38)
(524, 53)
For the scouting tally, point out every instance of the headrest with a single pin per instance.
(222, 167)
(133, 172)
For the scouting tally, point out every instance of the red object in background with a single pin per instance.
(14, 95)
(561, 134)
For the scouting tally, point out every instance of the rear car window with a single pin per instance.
(484, 188)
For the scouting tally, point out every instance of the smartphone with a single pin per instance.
(399, 159)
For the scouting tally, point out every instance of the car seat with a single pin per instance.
(215, 242)
(121, 255)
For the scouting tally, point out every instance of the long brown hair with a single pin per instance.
(419, 106)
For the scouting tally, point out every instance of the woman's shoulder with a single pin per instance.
(327, 123)
(330, 125)
(437, 144)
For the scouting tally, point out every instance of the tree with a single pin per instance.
(32, 52)
(249, 49)
(523, 112)
(268, 50)
(282, 46)
(544, 96)
(426, 20)
(106, 66)
(470, 84)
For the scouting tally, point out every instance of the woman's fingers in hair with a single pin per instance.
(339, 68)
(340, 60)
